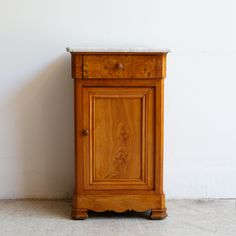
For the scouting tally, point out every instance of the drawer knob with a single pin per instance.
(119, 66)
(85, 132)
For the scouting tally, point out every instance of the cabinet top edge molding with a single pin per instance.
(88, 50)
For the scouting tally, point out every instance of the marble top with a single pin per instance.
(137, 49)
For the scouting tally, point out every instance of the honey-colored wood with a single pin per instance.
(158, 214)
(79, 214)
(120, 203)
(118, 133)
(118, 66)
(77, 70)
(124, 119)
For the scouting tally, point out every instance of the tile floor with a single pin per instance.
(186, 218)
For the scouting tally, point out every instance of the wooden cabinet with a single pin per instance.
(118, 132)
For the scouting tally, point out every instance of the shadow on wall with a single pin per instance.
(42, 113)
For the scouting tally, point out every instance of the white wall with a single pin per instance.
(36, 92)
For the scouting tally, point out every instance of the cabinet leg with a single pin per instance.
(79, 214)
(158, 214)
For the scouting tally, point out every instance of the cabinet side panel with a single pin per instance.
(77, 69)
(78, 119)
(159, 136)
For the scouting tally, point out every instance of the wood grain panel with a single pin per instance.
(119, 151)
(120, 203)
(120, 66)
(77, 66)
(124, 136)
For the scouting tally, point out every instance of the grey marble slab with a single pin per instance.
(99, 49)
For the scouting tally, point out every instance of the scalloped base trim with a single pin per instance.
(119, 203)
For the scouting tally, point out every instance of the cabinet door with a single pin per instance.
(118, 138)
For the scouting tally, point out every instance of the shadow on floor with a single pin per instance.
(112, 214)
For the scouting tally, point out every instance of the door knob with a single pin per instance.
(119, 66)
(85, 132)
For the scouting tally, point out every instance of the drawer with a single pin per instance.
(119, 66)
